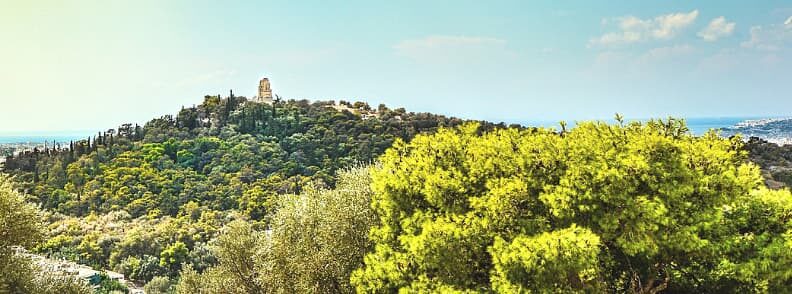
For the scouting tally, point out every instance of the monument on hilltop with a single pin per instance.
(264, 92)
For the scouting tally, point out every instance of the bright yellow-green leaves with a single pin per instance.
(624, 207)
(557, 261)
(174, 255)
(757, 248)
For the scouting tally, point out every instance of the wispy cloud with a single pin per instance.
(650, 63)
(662, 53)
(632, 29)
(717, 29)
(730, 61)
(770, 38)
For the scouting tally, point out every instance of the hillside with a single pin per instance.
(284, 198)
(218, 154)
(119, 199)
(775, 161)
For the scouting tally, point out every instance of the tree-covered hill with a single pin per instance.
(775, 161)
(144, 200)
(225, 153)
(625, 208)
(281, 199)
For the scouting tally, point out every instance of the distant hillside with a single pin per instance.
(225, 153)
(775, 161)
(147, 200)
(768, 144)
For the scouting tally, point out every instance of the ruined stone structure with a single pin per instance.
(264, 92)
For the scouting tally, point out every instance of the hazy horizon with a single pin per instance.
(697, 125)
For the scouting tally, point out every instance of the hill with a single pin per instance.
(232, 185)
(218, 154)
(120, 199)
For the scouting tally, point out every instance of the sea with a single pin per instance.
(697, 126)
(39, 139)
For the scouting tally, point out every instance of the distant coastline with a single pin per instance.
(39, 139)
(697, 126)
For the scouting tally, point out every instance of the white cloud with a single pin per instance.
(717, 29)
(438, 49)
(633, 29)
(770, 38)
(669, 24)
(788, 21)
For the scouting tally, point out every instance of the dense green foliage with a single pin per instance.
(775, 161)
(141, 248)
(21, 226)
(109, 286)
(143, 200)
(315, 241)
(159, 285)
(601, 208)
(238, 197)
(223, 154)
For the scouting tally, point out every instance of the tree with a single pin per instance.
(20, 222)
(174, 256)
(320, 235)
(21, 225)
(620, 208)
(159, 285)
(315, 240)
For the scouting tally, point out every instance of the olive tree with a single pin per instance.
(21, 226)
(313, 243)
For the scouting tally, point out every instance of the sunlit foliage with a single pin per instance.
(21, 226)
(316, 239)
(617, 208)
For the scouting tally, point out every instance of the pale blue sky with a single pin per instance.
(88, 65)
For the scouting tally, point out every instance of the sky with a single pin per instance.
(92, 65)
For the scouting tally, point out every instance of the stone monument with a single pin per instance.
(264, 92)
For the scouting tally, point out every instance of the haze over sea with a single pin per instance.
(697, 125)
(64, 137)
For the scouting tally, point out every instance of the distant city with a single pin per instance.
(774, 130)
